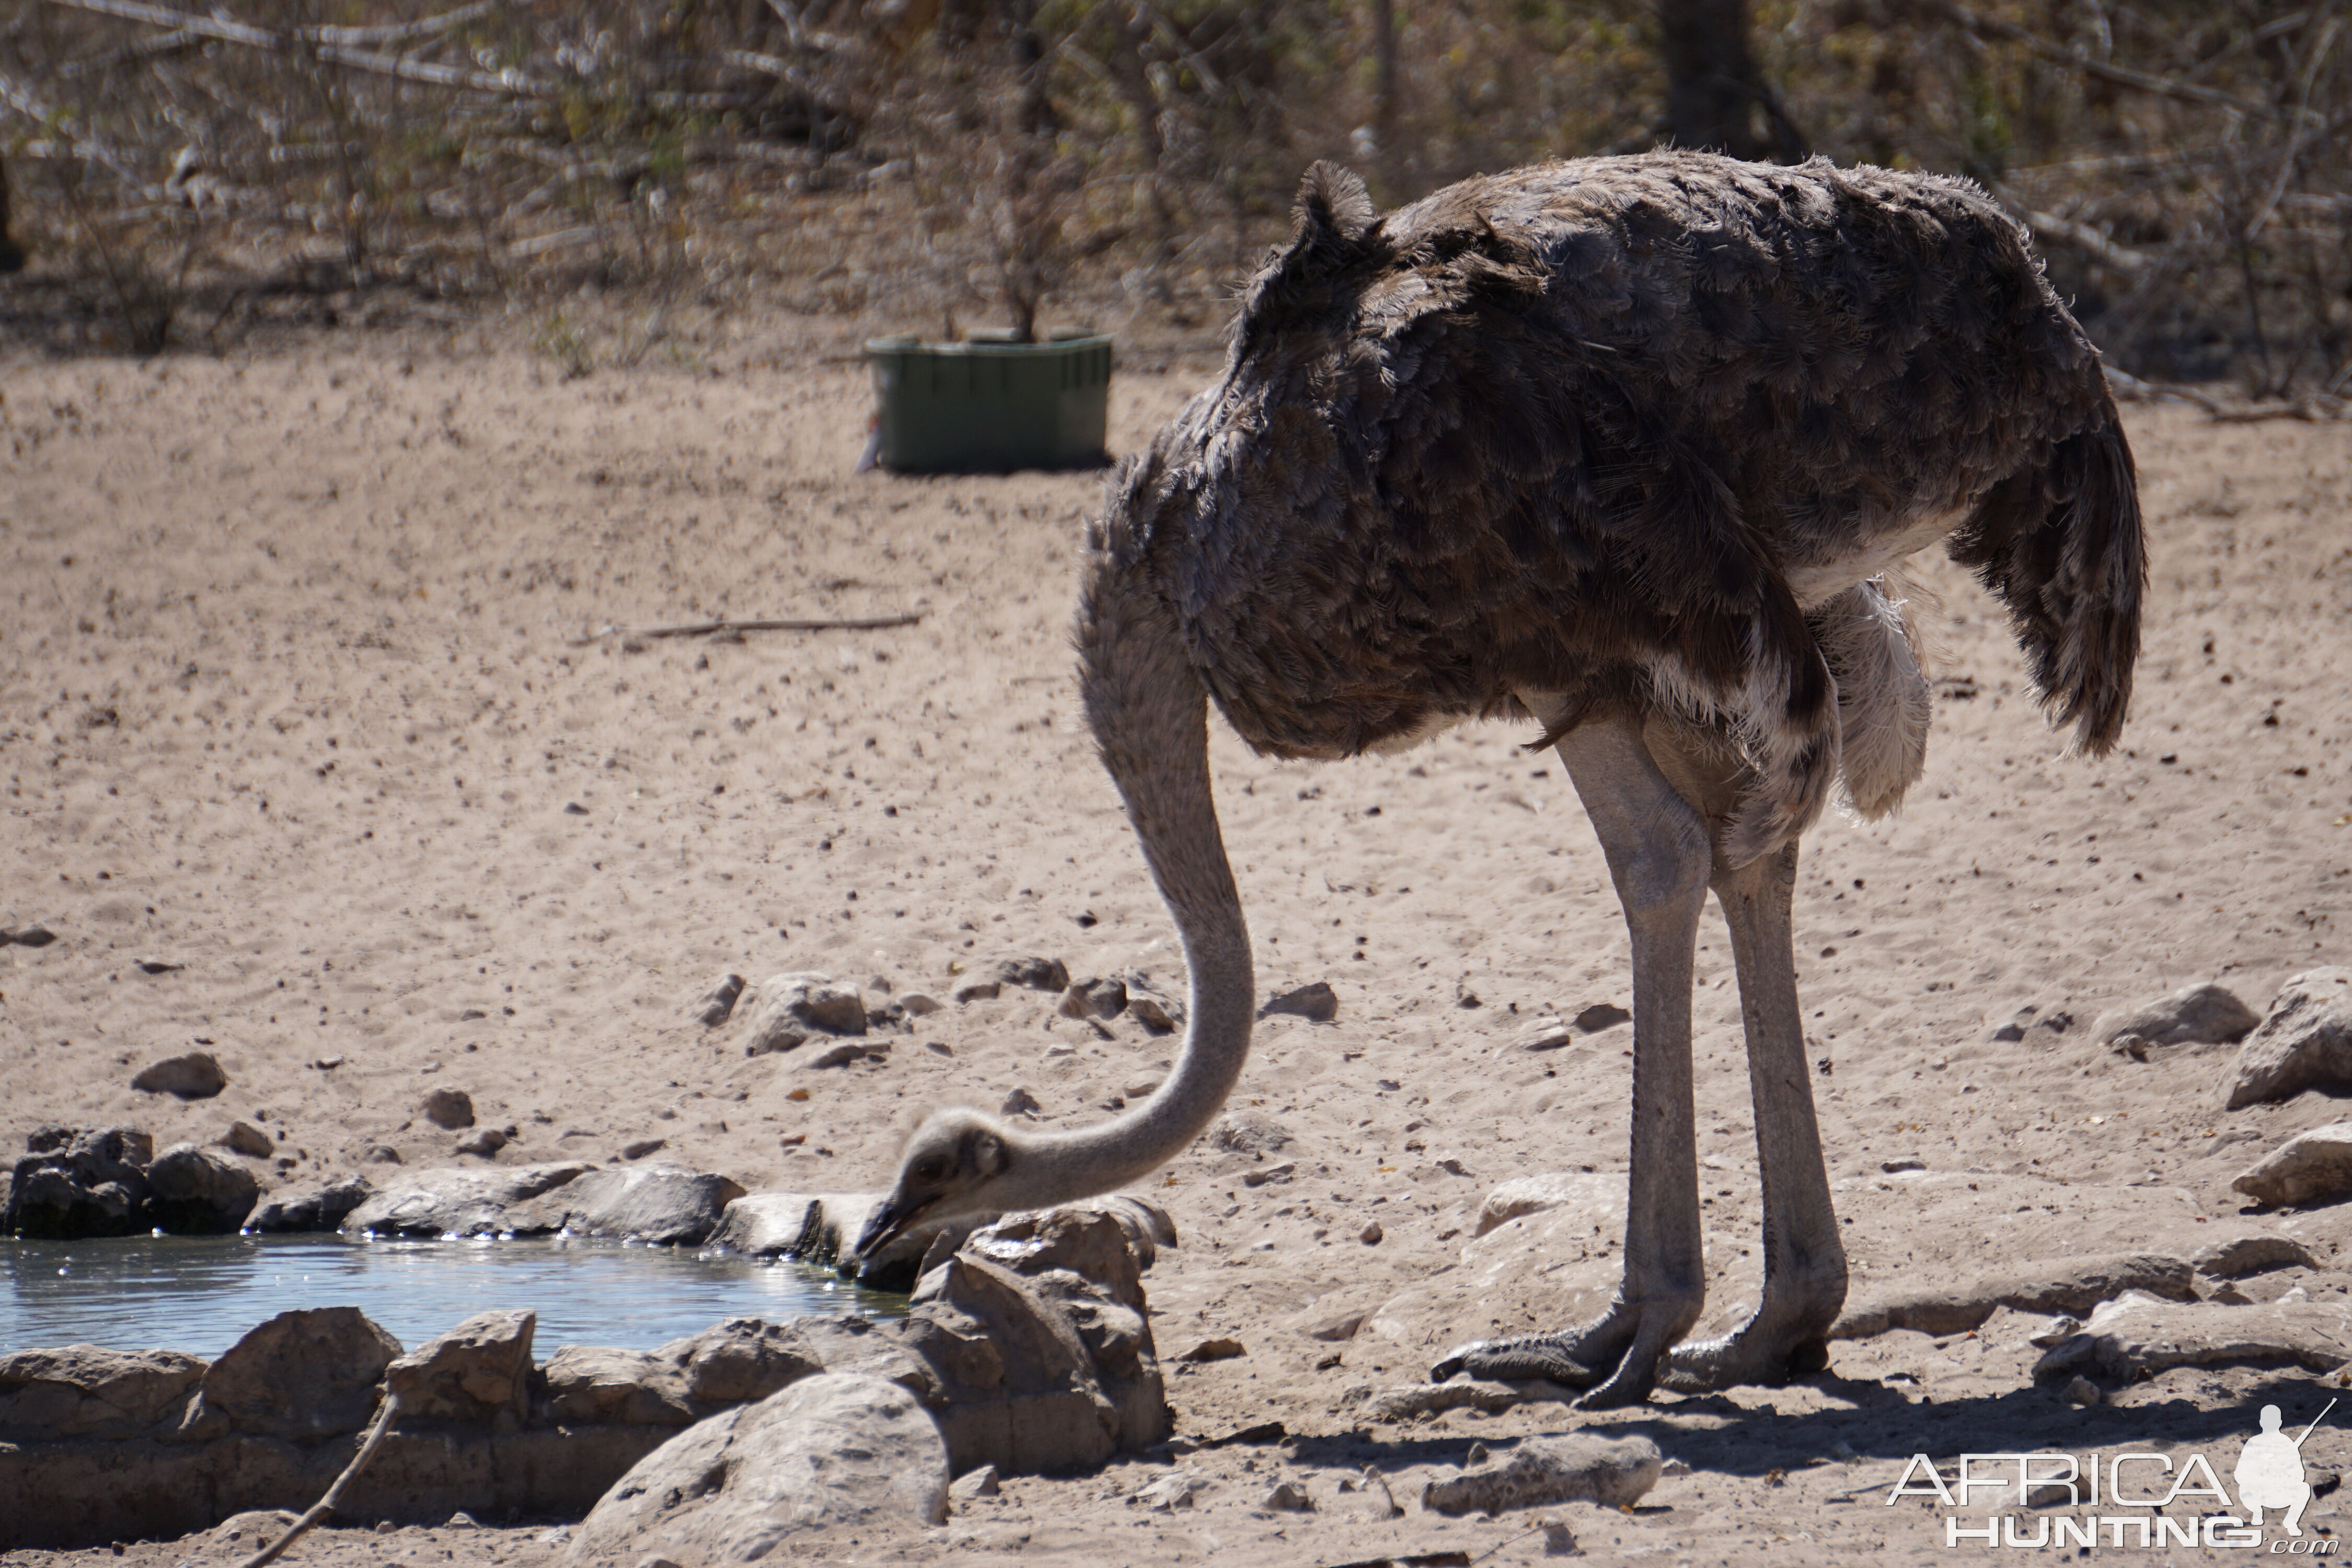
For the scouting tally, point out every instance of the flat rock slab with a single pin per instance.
(657, 1204)
(194, 1076)
(454, 1202)
(477, 1372)
(82, 1391)
(2306, 1168)
(2139, 1336)
(1613, 1472)
(1411, 1401)
(2305, 1042)
(2070, 1285)
(301, 1375)
(830, 1457)
(684, 1381)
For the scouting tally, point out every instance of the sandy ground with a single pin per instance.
(290, 698)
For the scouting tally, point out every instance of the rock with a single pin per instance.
(2138, 1336)
(1270, 1175)
(82, 1391)
(1094, 997)
(1532, 1194)
(1037, 973)
(303, 1374)
(196, 1076)
(2304, 1043)
(29, 936)
(2308, 1166)
(1143, 1085)
(919, 1004)
(1149, 1006)
(248, 1532)
(1215, 1350)
(317, 1205)
(194, 1191)
(1543, 1035)
(740, 1361)
(1334, 1327)
(74, 1184)
(1020, 1102)
(477, 1372)
(717, 1004)
(1314, 1001)
(485, 1144)
(1413, 1400)
(979, 1483)
(830, 1456)
(1286, 1497)
(468, 1202)
(2205, 1014)
(243, 1138)
(1249, 1133)
(842, 1055)
(1371, 1235)
(2244, 1255)
(974, 989)
(1037, 1340)
(1174, 1492)
(2067, 1285)
(659, 1203)
(2083, 1391)
(449, 1108)
(380, 1154)
(1614, 1473)
(1601, 1016)
(637, 1149)
(794, 1008)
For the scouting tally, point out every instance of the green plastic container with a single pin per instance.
(988, 406)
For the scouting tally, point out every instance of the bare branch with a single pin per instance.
(513, 83)
(2139, 81)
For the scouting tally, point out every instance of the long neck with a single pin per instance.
(1149, 714)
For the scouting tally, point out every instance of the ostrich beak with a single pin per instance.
(891, 1219)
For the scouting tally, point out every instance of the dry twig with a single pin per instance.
(705, 629)
(326, 1505)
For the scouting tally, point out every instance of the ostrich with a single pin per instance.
(1622, 447)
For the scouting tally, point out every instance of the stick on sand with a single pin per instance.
(326, 1505)
(704, 628)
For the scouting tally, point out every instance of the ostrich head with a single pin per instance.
(956, 1163)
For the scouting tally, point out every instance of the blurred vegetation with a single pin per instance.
(940, 163)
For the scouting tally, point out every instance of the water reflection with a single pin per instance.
(201, 1294)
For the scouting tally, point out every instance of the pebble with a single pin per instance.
(1262, 1175)
(29, 936)
(2194, 1015)
(717, 1004)
(1249, 1133)
(1601, 1016)
(196, 1076)
(1142, 1087)
(1148, 1006)
(2306, 1168)
(1214, 1349)
(1020, 1102)
(243, 1138)
(1094, 997)
(1316, 1002)
(1544, 1035)
(979, 1483)
(449, 1108)
(157, 966)
(920, 1004)
(487, 1143)
(380, 1154)
(1034, 973)
(1902, 1162)
(977, 990)
(1287, 1496)
(1370, 1235)
(643, 1147)
(2083, 1391)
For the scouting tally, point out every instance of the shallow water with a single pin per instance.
(202, 1294)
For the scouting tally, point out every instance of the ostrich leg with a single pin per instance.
(1659, 856)
(1804, 1257)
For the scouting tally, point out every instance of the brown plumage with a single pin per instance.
(1627, 448)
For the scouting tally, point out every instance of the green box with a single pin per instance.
(988, 406)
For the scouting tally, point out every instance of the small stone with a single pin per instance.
(1169, 1492)
(1334, 1327)
(1902, 1162)
(1214, 1349)
(793, 1008)
(1287, 1496)
(1544, 1035)
(919, 1004)
(461, 1519)
(196, 1076)
(838, 1056)
(1142, 1087)
(1094, 997)
(1037, 973)
(1249, 1133)
(717, 1004)
(1371, 1233)
(655, 1560)
(1314, 1001)
(157, 966)
(249, 1141)
(574, 808)
(2083, 1391)
(1261, 1175)
(1601, 1016)
(1479, 1455)
(977, 990)
(643, 1147)
(1559, 1540)
(380, 1154)
(979, 1483)
(449, 1108)
(2244, 1255)
(2204, 1015)
(487, 1143)
(32, 936)
(1020, 1102)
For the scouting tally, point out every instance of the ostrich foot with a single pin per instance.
(1614, 1359)
(1748, 1354)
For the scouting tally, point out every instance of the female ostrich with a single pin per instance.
(1618, 447)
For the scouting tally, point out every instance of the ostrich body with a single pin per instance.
(1620, 447)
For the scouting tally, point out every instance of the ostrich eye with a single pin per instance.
(930, 1168)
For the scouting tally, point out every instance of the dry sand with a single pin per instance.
(289, 698)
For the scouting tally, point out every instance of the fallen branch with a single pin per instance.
(705, 629)
(2139, 81)
(321, 39)
(2314, 408)
(326, 1505)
